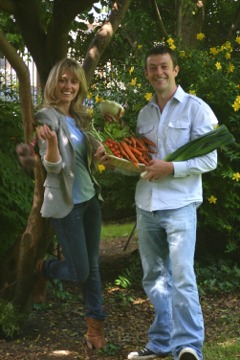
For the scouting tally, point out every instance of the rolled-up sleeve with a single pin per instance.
(198, 165)
(53, 167)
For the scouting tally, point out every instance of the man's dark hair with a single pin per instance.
(160, 50)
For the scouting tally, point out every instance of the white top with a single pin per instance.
(184, 118)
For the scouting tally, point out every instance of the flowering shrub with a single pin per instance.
(212, 74)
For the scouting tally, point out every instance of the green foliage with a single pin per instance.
(213, 276)
(118, 194)
(10, 319)
(219, 276)
(131, 277)
(16, 188)
(109, 349)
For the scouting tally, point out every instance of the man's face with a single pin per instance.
(161, 73)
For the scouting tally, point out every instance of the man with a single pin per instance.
(167, 198)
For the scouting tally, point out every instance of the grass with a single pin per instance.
(226, 350)
(113, 230)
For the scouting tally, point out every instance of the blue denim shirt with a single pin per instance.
(184, 118)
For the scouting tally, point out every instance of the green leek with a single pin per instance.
(203, 145)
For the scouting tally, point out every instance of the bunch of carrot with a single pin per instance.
(136, 150)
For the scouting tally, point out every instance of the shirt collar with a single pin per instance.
(178, 95)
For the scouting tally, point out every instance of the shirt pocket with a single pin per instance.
(178, 134)
(150, 131)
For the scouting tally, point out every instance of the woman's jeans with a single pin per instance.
(166, 244)
(79, 236)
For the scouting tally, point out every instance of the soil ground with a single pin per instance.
(55, 331)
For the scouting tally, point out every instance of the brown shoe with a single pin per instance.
(95, 333)
(40, 287)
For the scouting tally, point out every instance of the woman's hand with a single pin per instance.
(101, 155)
(45, 133)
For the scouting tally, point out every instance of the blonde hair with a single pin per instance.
(77, 109)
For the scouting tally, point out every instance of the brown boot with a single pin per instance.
(40, 287)
(95, 333)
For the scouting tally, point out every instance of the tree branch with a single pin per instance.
(8, 6)
(158, 16)
(179, 11)
(64, 13)
(51, 45)
(104, 36)
(24, 85)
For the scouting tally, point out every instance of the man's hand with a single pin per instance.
(158, 169)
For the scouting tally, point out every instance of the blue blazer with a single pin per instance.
(58, 200)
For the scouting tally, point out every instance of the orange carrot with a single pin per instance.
(135, 151)
(132, 157)
(133, 141)
(143, 160)
(148, 141)
(140, 143)
(127, 140)
(123, 152)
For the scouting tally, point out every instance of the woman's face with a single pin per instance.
(67, 87)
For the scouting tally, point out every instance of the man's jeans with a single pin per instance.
(167, 243)
(79, 235)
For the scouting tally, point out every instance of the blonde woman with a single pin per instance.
(72, 194)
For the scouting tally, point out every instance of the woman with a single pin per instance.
(71, 196)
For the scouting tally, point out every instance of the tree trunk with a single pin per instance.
(17, 268)
(190, 17)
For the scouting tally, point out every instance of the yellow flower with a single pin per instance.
(89, 95)
(227, 46)
(212, 200)
(90, 111)
(236, 176)
(98, 99)
(228, 55)
(230, 68)
(236, 104)
(139, 85)
(193, 92)
(131, 70)
(200, 36)
(101, 168)
(213, 51)
(237, 39)
(133, 81)
(218, 65)
(139, 47)
(172, 47)
(170, 41)
(148, 96)
(182, 54)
